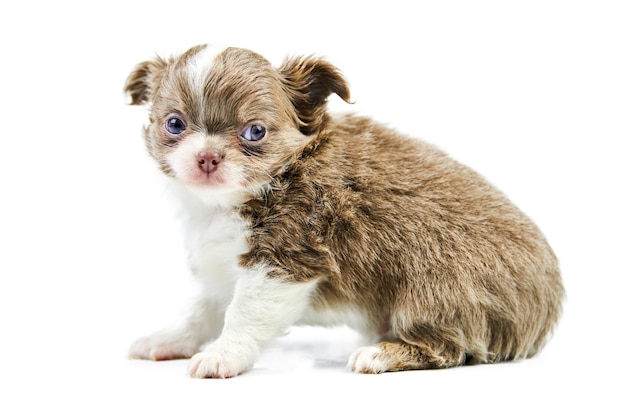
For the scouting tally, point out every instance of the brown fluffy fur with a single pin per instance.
(444, 267)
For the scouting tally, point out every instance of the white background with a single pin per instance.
(531, 94)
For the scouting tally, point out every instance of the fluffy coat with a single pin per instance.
(333, 219)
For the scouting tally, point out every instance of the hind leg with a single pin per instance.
(402, 356)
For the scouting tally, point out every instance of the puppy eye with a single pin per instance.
(175, 126)
(253, 133)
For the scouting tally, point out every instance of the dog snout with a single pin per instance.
(208, 160)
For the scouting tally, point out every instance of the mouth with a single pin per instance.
(201, 178)
(214, 188)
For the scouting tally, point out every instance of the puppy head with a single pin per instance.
(224, 121)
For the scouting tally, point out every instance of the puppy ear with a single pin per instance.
(141, 83)
(310, 81)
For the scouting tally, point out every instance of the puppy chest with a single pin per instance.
(215, 239)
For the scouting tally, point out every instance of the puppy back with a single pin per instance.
(403, 232)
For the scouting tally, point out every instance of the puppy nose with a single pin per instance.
(208, 160)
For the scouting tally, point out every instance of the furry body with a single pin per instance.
(332, 219)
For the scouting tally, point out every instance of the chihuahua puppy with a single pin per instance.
(293, 215)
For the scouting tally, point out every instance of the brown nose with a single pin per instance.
(208, 160)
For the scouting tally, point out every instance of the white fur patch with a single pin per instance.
(220, 188)
(242, 308)
(183, 159)
(368, 360)
(262, 307)
(175, 343)
(215, 237)
(257, 306)
(201, 64)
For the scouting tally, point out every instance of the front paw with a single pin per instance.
(219, 362)
(162, 346)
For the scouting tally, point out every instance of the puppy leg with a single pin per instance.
(261, 308)
(401, 356)
(184, 340)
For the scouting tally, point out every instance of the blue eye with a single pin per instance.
(175, 126)
(253, 133)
